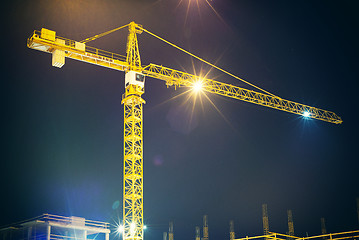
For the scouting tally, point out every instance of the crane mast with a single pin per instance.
(133, 142)
(61, 48)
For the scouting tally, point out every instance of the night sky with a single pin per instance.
(62, 134)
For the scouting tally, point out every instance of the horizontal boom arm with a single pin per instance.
(182, 79)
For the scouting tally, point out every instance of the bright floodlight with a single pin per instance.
(132, 228)
(197, 86)
(120, 229)
(306, 114)
(144, 227)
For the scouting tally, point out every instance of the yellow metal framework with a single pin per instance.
(182, 79)
(133, 165)
(92, 55)
(61, 48)
(133, 53)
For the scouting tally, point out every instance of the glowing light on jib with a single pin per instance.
(306, 114)
(197, 86)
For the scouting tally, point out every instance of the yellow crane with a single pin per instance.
(61, 48)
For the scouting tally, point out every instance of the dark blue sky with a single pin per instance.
(63, 128)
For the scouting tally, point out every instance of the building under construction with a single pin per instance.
(47, 226)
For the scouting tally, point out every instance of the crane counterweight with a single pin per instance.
(58, 55)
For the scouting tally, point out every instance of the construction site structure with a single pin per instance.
(164, 235)
(170, 231)
(205, 227)
(265, 219)
(350, 235)
(323, 228)
(290, 223)
(48, 226)
(135, 72)
(198, 233)
(232, 234)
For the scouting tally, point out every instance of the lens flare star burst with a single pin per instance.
(201, 5)
(197, 86)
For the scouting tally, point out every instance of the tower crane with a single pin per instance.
(60, 48)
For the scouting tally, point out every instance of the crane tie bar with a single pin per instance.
(102, 34)
(210, 64)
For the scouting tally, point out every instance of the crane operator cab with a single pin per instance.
(136, 79)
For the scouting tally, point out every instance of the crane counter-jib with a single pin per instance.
(47, 41)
